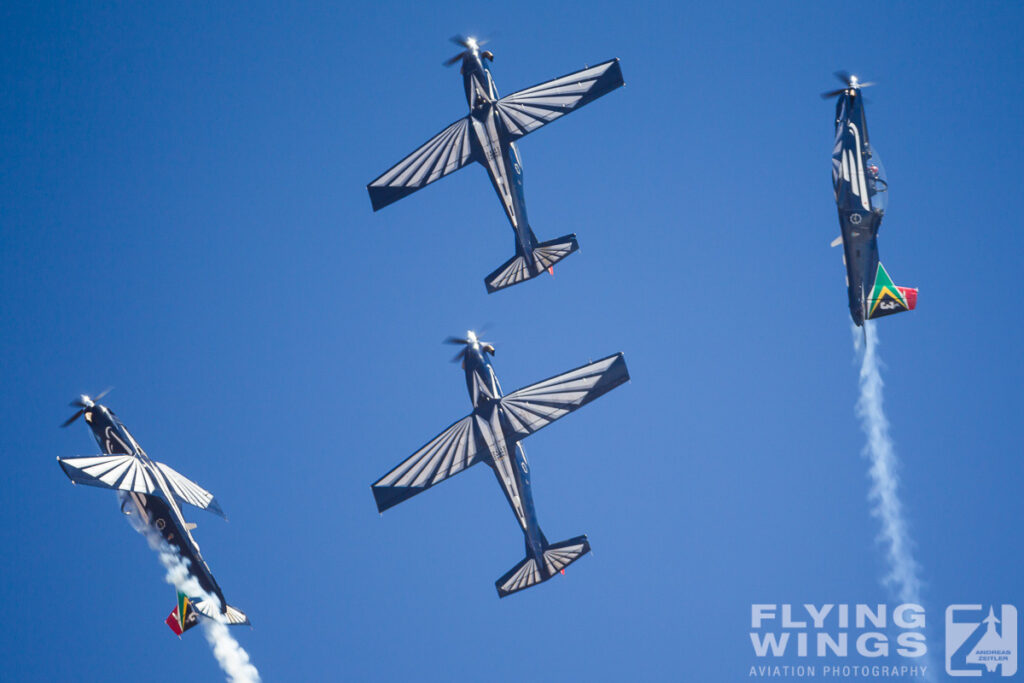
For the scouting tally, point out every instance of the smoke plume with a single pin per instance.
(902, 578)
(232, 657)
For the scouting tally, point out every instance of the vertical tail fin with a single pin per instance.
(186, 614)
(183, 617)
(886, 298)
(522, 267)
(554, 559)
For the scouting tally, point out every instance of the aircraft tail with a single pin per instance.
(554, 559)
(886, 298)
(522, 267)
(186, 614)
(183, 617)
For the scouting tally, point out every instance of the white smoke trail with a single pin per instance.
(232, 657)
(902, 578)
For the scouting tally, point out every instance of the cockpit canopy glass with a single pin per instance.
(874, 176)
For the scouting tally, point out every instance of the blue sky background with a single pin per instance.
(183, 216)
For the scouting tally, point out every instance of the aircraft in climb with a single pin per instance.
(150, 492)
(487, 135)
(861, 194)
(492, 433)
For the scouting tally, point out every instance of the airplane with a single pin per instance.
(492, 433)
(151, 492)
(488, 135)
(861, 193)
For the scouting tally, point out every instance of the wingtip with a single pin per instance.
(377, 501)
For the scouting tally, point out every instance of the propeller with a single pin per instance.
(849, 80)
(466, 342)
(83, 403)
(469, 44)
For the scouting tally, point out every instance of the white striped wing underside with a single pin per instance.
(189, 491)
(529, 109)
(538, 405)
(119, 472)
(450, 452)
(444, 153)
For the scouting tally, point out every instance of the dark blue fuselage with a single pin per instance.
(507, 458)
(494, 146)
(860, 192)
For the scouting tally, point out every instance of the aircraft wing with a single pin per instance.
(534, 407)
(529, 109)
(190, 492)
(119, 472)
(446, 152)
(453, 450)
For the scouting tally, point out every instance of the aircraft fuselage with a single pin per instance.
(158, 511)
(507, 458)
(859, 193)
(498, 153)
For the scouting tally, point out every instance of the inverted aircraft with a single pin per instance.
(862, 192)
(152, 493)
(492, 433)
(488, 135)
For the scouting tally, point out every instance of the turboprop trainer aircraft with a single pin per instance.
(861, 196)
(151, 492)
(488, 135)
(492, 434)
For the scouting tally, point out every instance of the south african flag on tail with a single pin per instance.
(183, 617)
(886, 298)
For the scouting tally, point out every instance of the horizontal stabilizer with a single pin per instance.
(521, 268)
(530, 572)
(886, 298)
(232, 615)
(837, 242)
(547, 254)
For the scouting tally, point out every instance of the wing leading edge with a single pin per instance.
(527, 110)
(445, 153)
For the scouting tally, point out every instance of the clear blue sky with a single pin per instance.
(183, 215)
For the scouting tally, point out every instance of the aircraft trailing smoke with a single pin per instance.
(230, 655)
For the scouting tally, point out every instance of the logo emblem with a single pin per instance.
(981, 640)
(855, 218)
